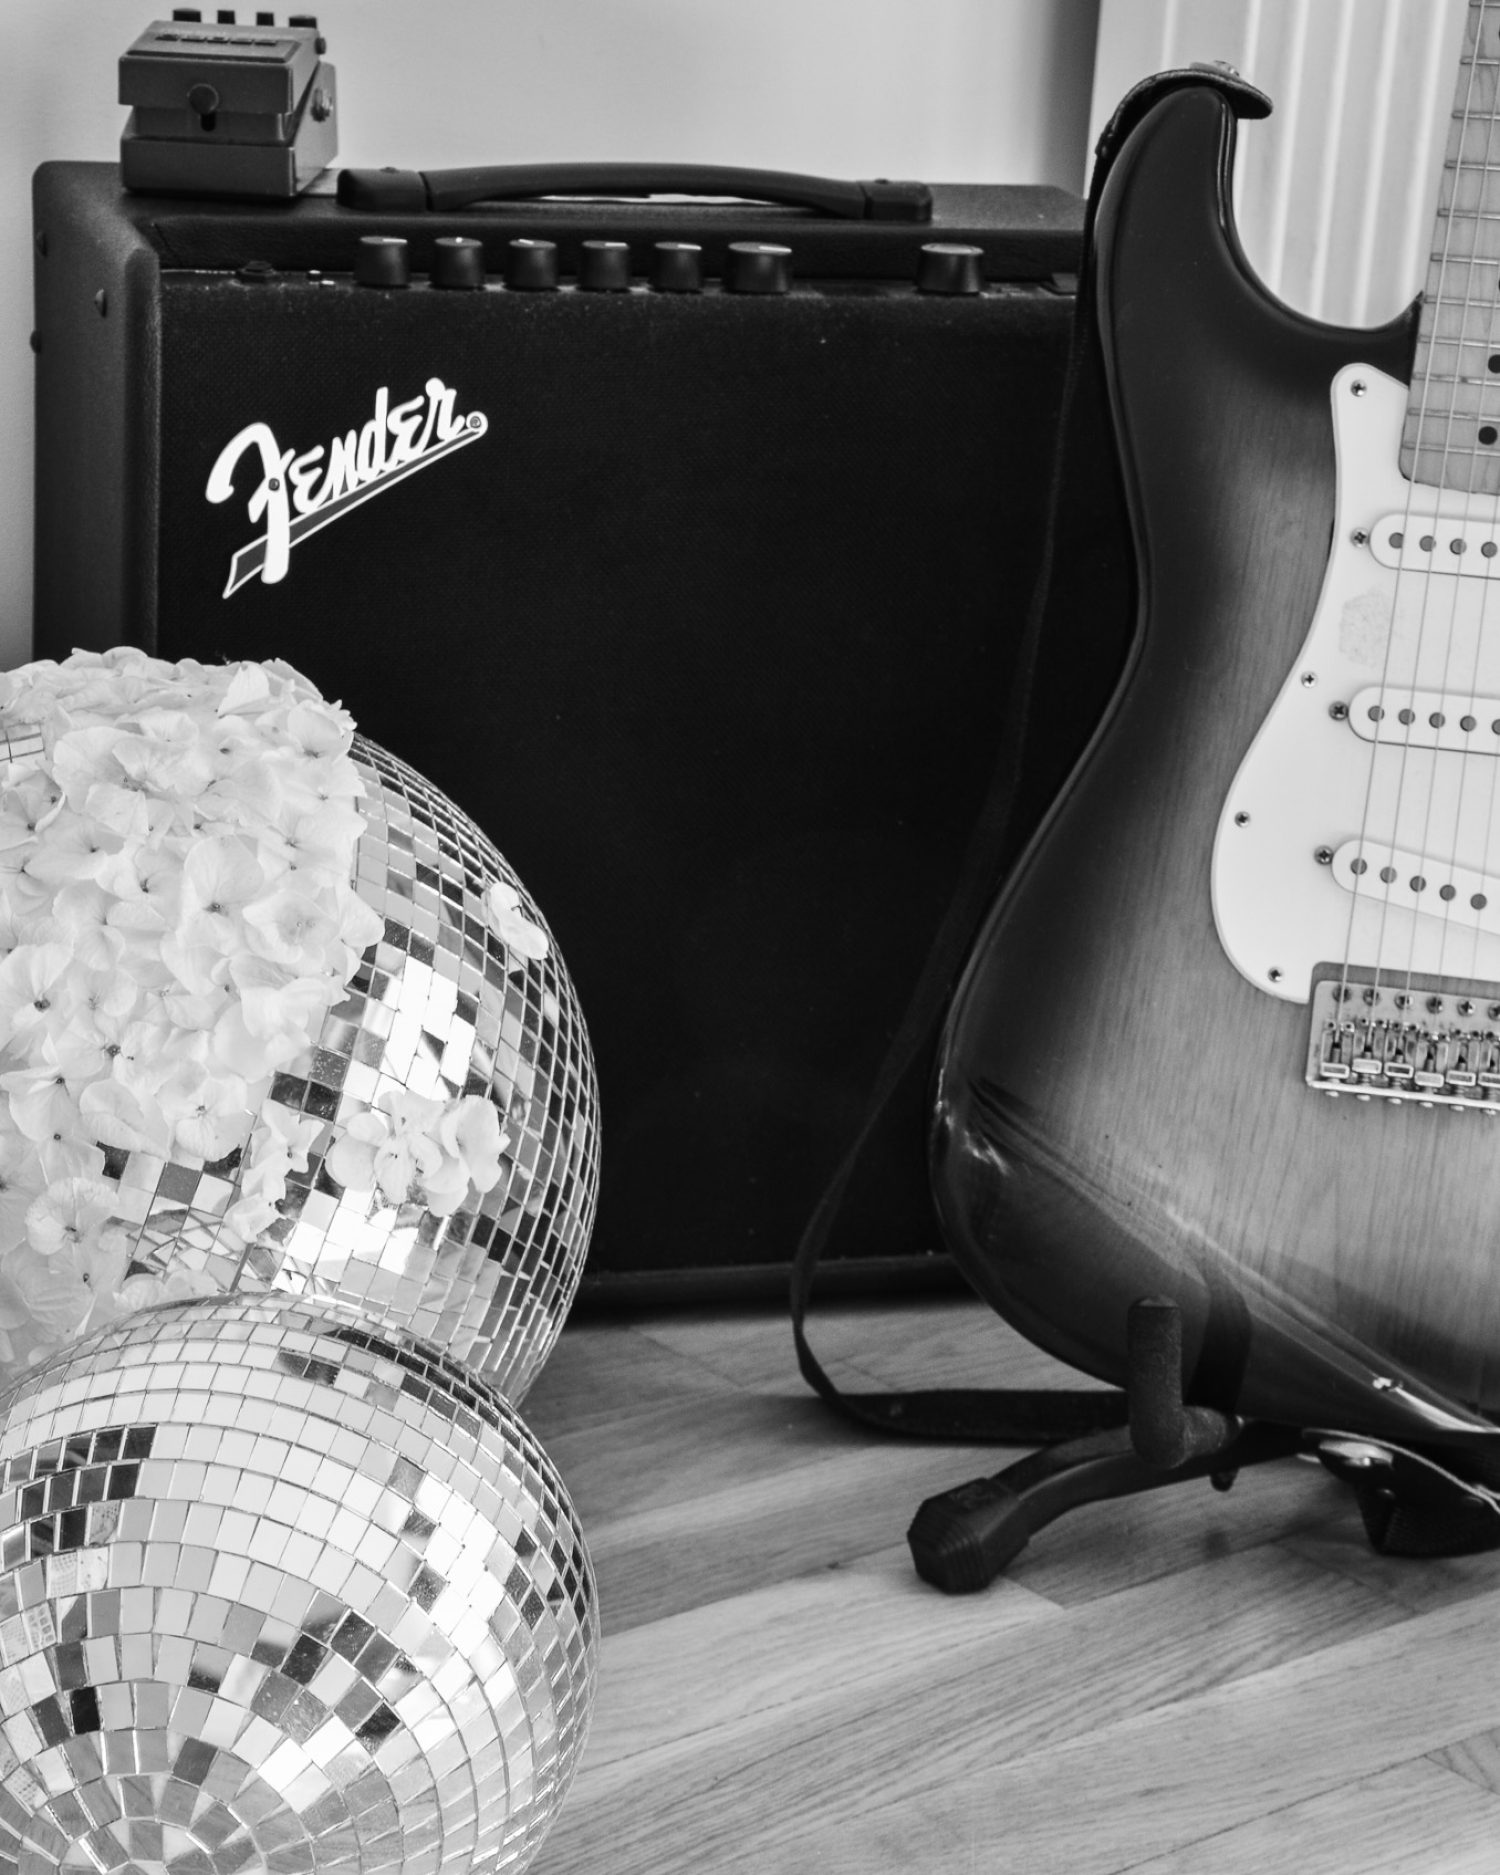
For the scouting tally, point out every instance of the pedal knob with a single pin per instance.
(758, 267)
(604, 267)
(949, 267)
(677, 267)
(531, 266)
(457, 262)
(382, 260)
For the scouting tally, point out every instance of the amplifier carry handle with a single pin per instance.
(410, 191)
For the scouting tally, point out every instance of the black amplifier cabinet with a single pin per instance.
(703, 600)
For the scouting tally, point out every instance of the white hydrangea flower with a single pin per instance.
(177, 916)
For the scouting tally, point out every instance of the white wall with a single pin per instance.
(944, 90)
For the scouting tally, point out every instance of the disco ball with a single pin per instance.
(281, 1590)
(443, 1005)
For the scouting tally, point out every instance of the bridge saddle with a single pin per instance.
(1387, 1035)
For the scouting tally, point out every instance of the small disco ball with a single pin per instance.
(441, 1006)
(281, 1591)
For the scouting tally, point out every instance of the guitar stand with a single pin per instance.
(1411, 1505)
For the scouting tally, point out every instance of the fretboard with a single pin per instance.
(1452, 432)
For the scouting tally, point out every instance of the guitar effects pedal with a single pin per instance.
(227, 109)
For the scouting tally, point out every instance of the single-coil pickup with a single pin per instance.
(1437, 543)
(1419, 882)
(1403, 1039)
(1427, 719)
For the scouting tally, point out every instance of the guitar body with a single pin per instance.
(1122, 1103)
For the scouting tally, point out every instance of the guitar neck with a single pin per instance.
(1451, 437)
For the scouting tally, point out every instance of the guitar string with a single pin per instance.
(1426, 589)
(1381, 737)
(1470, 935)
(1450, 214)
(1491, 346)
(1452, 586)
(1492, 341)
(1466, 88)
(1443, 1061)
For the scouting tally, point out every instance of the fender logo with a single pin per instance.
(298, 494)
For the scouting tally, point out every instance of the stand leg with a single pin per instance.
(961, 1540)
(1414, 1502)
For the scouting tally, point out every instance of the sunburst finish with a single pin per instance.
(1121, 1110)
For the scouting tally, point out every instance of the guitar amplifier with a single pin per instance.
(685, 543)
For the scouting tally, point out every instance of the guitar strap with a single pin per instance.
(1070, 578)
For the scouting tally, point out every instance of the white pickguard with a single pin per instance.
(1309, 783)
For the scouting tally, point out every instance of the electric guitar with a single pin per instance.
(1231, 1034)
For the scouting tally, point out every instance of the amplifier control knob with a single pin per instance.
(531, 266)
(382, 261)
(457, 261)
(757, 267)
(950, 267)
(604, 266)
(677, 267)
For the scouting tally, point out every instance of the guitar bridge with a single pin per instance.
(1382, 1035)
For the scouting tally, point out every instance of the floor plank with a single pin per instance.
(1191, 1768)
(600, 1370)
(1183, 1680)
(951, 1341)
(1382, 1825)
(756, 1529)
(772, 1649)
(841, 1751)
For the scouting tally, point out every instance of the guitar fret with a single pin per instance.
(1480, 340)
(1445, 448)
(1469, 299)
(1468, 214)
(1486, 381)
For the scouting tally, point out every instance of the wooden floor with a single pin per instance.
(1175, 1683)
